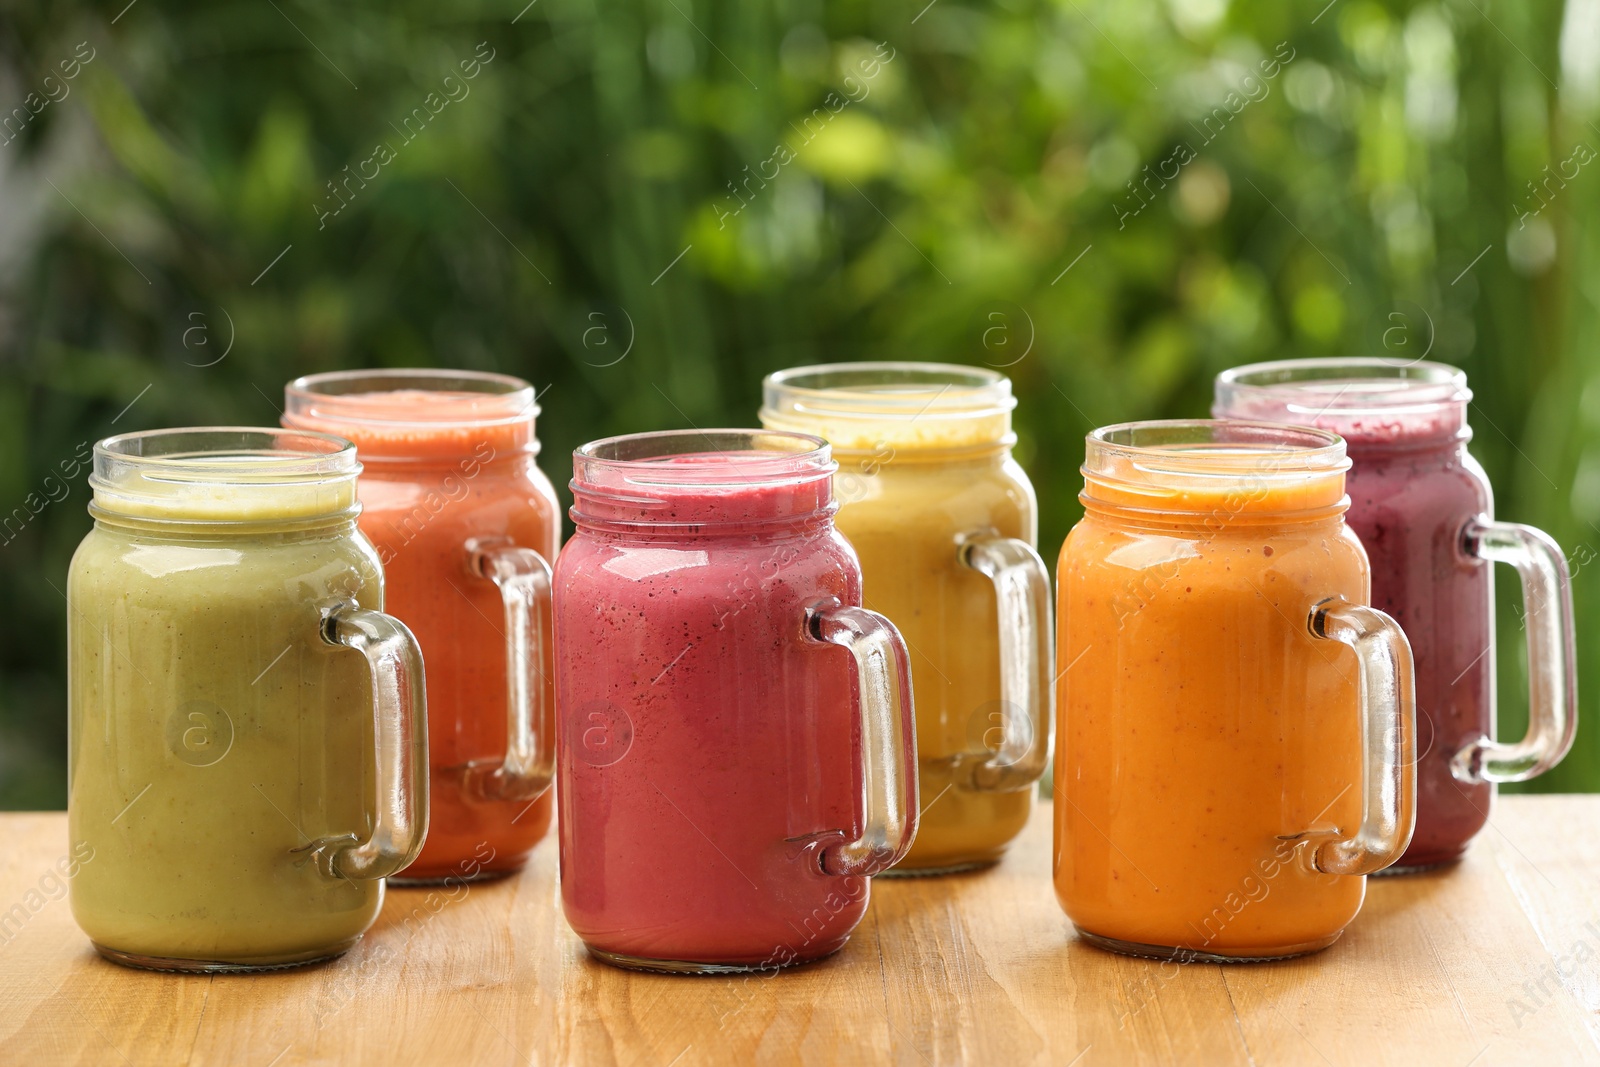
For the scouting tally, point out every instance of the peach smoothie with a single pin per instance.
(1210, 776)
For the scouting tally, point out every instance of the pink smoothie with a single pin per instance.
(707, 751)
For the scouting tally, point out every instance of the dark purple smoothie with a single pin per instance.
(1409, 499)
(1413, 488)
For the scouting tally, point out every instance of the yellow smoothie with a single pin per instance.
(924, 466)
(214, 735)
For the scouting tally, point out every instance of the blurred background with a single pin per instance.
(643, 206)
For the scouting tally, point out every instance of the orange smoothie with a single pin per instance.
(1210, 773)
(450, 475)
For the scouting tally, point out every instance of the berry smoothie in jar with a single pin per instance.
(736, 754)
(1423, 509)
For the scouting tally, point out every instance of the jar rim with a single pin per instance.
(652, 458)
(1360, 385)
(489, 398)
(868, 405)
(1225, 443)
(231, 450)
(683, 480)
(225, 474)
(888, 389)
(1191, 464)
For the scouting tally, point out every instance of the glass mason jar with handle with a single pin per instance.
(736, 755)
(944, 522)
(1226, 772)
(247, 733)
(465, 523)
(1424, 512)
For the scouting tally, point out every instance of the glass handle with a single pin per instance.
(400, 737)
(523, 578)
(1552, 656)
(1388, 738)
(888, 736)
(1027, 661)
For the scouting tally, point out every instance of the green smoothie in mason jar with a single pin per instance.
(247, 734)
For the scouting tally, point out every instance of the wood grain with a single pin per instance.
(1458, 967)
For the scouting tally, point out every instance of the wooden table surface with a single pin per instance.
(1496, 961)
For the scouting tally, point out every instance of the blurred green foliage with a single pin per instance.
(673, 180)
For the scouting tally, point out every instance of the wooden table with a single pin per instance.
(1496, 961)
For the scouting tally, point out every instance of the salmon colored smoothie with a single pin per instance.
(1210, 742)
(926, 480)
(450, 490)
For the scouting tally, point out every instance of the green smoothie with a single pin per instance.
(215, 737)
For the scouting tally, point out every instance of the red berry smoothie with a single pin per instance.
(706, 749)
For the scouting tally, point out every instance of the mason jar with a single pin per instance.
(1423, 509)
(945, 524)
(466, 526)
(735, 749)
(247, 731)
(1237, 723)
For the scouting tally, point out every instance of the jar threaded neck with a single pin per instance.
(683, 479)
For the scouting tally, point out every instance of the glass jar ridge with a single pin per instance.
(1203, 465)
(862, 407)
(417, 414)
(226, 474)
(713, 479)
(1368, 400)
